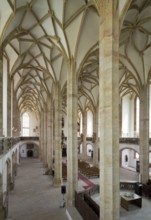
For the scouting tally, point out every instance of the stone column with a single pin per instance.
(41, 134)
(72, 151)
(144, 133)
(57, 137)
(84, 144)
(16, 122)
(95, 138)
(1, 94)
(49, 134)
(1, 200)
(120, 116)
(8, 106)
(109, 110)
(45, 137)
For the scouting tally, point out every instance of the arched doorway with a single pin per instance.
(30, 153)
(129, 158)
(89, 150)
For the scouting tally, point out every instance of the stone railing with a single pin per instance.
(6, 143)
(31, 138)
(129, 140)
(132, 141)
(127, 185)
(87, 207)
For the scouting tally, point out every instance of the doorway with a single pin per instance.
(29, 153)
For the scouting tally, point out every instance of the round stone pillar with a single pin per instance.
(144, 133)
(8, 106)
(41, 135)
(1, 95)
(57, 137)
(109, 110)
(45, 137)
(95, 139)
(49, 134)
(72, 151)
(84, 144)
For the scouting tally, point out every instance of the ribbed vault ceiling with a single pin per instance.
(39, 38)
(135, 47)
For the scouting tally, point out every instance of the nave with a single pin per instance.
(35, 198)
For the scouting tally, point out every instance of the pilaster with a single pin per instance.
(144, 133)
(109, 110)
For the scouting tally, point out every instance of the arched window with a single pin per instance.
(25, 124)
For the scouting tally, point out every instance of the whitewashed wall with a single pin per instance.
(128, 116)
(3, 164)
(23, 149)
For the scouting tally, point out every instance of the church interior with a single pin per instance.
(75, 109)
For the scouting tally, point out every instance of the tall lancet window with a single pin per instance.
(25, 119)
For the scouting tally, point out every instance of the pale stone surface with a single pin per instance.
(16, 123)
(41, 135)
(49, 133)
(57, 138)
(8, 106)
(1, 200)
(84, 144)
(95, 139)
(144, 133)
(1, 95)
(34, 197)
(45, 137)
(109, 111)
(72, 152)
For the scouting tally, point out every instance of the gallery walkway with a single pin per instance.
(34, 197)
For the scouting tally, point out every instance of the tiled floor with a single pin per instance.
(35, 198)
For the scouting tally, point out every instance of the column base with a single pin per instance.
(57, 182)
